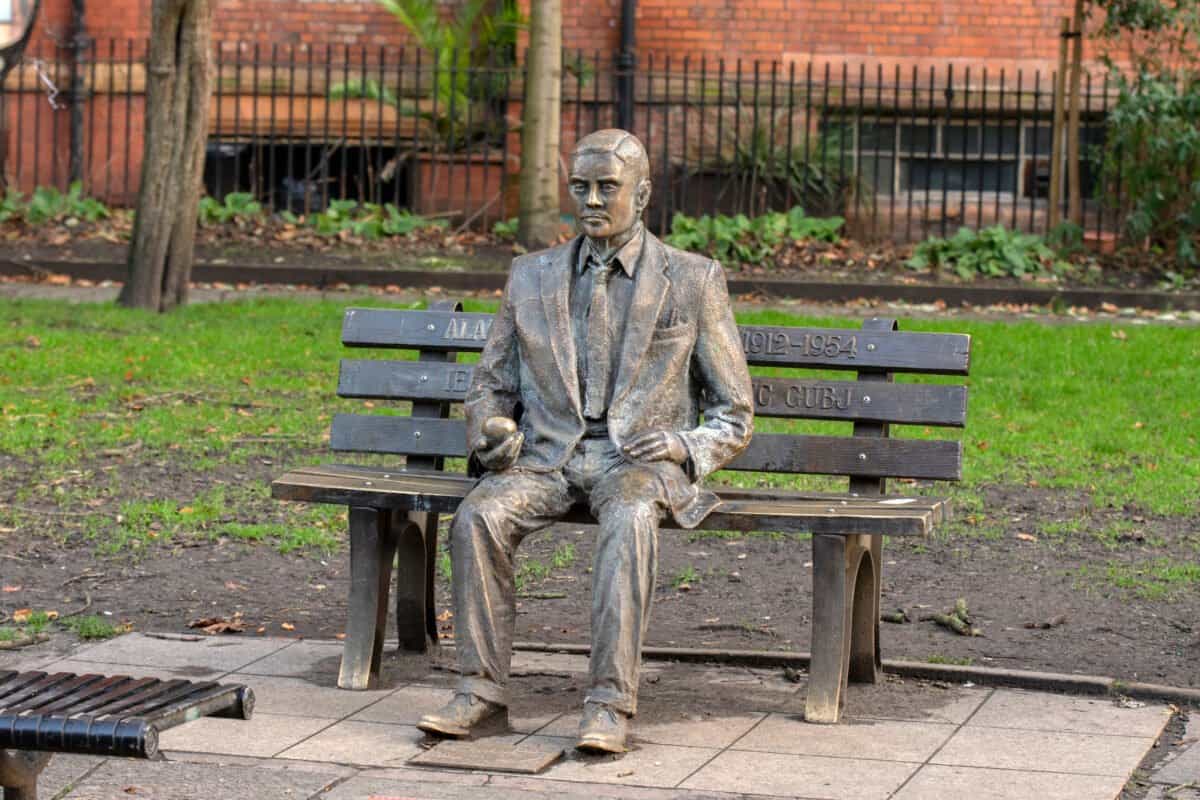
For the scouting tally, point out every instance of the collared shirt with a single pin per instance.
(624, 262)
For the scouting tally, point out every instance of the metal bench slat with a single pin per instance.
(38, 701)
(819, 348)
(112, 687)
(156, 689)
(32, 688)
(17, 681)
(108, 715)
(149, 708)
(852, 401)
(116, 692)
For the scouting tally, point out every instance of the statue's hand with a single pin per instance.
(497, 449)
(657, 446)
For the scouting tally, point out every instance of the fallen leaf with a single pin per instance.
(1139, 425)
(33, 342)
(214, 625)
(445, 615)
(1026, 537)
(21, 615)
(187, 510)
(287, 626)
(1120, 334)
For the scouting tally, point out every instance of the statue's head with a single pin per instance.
(609, 182)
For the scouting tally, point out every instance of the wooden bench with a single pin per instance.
(397, 508)
(102, 715)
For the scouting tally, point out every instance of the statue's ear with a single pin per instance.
(642, 198)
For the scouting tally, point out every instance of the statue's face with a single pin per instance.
(609, 197)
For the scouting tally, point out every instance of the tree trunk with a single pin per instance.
(540, 127)
(179, 81)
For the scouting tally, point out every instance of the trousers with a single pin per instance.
(628, 501)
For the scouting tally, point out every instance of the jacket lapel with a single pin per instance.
(649, 291)
(555, 288)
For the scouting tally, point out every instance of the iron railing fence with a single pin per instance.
(901, 152)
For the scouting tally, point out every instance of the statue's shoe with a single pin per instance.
(603, 729)
(466, 716)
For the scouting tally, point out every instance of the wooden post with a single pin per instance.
(1056, 144)
(1075, 194)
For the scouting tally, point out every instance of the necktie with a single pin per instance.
(598, 364)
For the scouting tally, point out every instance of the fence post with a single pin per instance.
(626, 66)
(79, 44)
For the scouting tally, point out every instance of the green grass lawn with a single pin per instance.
(1107, 409)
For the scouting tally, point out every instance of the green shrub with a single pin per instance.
(239, 207)
(48, 204)
(991, 252)
(370, 220)
(506, 229)
(749, 241)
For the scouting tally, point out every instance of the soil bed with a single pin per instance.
(1079, 603)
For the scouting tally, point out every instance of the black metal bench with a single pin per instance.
(397, 508)
(102, 715)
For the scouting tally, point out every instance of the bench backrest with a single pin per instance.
(875, 353)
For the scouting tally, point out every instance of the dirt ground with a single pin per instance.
(849, 261)
(1041, 605)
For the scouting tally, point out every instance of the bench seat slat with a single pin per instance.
(819, 348)
(852, 401)
(741, 509)
(768, 452)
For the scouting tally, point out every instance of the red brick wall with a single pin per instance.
(906, 32)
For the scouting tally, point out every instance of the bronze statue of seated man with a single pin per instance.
(603, 356)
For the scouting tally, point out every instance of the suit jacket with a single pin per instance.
(680, 358)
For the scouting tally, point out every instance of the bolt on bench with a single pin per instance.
(396, 509)
(101, 715)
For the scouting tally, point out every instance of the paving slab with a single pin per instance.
(1184, 764)
(370, 744)
(63, 771)
(405, 705)
(299, 659)
(410, 783)
(263, 735)
(605, 791)
(696, 729)
(309, 739)
(172, 780)
(1044, 751)
(645, 765)
(797, 776)
(304, 697)
(889, 740)
(936, 782)
(81, 667)
(1038, 711)
(222, 654)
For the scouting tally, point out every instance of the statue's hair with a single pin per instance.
(622, 144)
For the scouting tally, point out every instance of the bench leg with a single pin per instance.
(372, 550)
(19, 771)
(416, 621)
(865, 660)
(844, 583)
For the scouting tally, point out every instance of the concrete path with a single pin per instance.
(738, 734)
